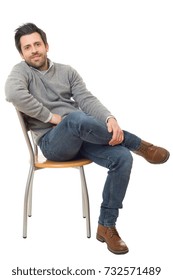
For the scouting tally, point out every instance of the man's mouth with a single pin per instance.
(36, 56)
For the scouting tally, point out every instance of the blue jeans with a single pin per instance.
(80, 135)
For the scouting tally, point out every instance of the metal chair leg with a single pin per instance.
(30, 197)
(26, 200)
(85, 201)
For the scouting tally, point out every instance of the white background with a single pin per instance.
(124, 52)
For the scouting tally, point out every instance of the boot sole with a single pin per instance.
(168, 155)
(161, 161)
(101, 239)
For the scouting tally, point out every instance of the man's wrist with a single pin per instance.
(49, 118)
(109, 117)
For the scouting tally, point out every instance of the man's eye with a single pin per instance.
(27, 48)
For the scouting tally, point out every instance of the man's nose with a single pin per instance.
(34, 49)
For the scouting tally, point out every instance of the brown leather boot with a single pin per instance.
(114, 242)
(151, 153)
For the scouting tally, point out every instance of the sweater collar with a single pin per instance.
(50, 63)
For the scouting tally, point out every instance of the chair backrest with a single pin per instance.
(32, 147)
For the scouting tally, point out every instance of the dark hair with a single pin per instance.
(25, 29)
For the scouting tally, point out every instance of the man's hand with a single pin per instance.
(117, 133)
(56, 119)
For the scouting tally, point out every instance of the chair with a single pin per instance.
(38, 162)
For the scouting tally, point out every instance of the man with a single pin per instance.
(69, 122)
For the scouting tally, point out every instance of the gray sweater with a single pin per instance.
(58, 90)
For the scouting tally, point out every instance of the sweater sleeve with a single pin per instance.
(85, 99)
(16, 91)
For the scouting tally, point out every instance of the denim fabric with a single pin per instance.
(81, 135)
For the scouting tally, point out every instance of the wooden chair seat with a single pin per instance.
(42, 162)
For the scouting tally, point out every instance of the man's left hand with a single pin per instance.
(117, 133)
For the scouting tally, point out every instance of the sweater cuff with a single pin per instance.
(49, 118)
(111, 116)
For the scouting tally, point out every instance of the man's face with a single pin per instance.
(34, 51)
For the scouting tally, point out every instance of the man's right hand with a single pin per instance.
(56, 119)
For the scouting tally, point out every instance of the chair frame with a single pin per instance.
(36, 164)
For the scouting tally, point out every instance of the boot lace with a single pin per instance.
(113, 232)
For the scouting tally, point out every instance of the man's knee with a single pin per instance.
(126, 157)
(123, 160)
